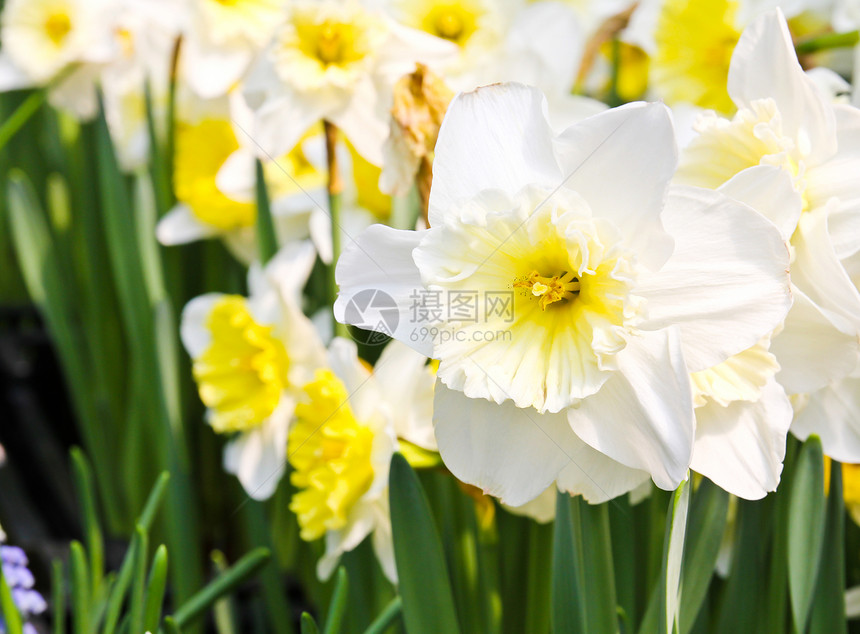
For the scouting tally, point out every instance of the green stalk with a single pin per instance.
(827, 42)
(335, 189)
(22, 115)
(387, 617)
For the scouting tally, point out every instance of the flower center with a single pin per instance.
(57, 27)
(550, 289)
(243, 372)
(330, 456)
(454, 22)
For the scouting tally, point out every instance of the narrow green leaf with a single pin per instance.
(598, 591)
(387, 617)
(92, 527)
(805, 529)
(708, 515)
(309, 626)
(22, 114)
(8, 609)
(568, 612)
(80, 590)
(122, 585)
(197, 605)
(673, 553)
(58, 596)
(828, 605)
(425, 588)
(153, 501)
(267, 239)
(138, 581)
(337, 607)
(539, 546)
(155, 588)
(170, 626)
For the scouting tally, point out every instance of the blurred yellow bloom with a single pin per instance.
(695, 41)
(243, 372)
(455, 21)
(850, 486)
(332, 457)
(201, 150)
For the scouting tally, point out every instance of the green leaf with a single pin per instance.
(267, 239)
(568, 613)
(170, 626)
(153, 502)
(138, 583)
(309, 626)
(428, 605)
(598, 596)
(828, 605)
(80, 590)
(708, 516)
(122, 585)
(155, 588)
(92, 528)
(8, 609)
(58, 597)
(21, 115)
(673, 554)
(337, 607)
(387, 617)
(225, 583)
(805, 529)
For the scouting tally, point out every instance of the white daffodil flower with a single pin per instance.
(223, 39)
(64, 40)
(536, 43)
(616, 285)
(786, 124)
(145, 41)
(251, 357)
(690, 43)
(215, 183)
(336, 61)
(340, 448)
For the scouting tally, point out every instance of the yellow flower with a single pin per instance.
(243, 372)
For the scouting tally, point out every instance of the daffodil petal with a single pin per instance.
(741, 447)
(764, 65)
(375, 268)
(509, 452)
(504, 124)
(643, 415)
(195, 335)
(597, 477)
(634, 147)
(837, 177)
(180, 225)
(726, 284)
(814, 347)
(818, 272)
(768, 190)
(831, 413)
(258, 457)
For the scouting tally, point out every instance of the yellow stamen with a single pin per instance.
(550, 289)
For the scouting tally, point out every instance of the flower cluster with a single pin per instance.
(18, 577)
(581, 297)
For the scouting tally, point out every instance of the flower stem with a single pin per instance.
(826, 42)
(22, 114)
(335, 187)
